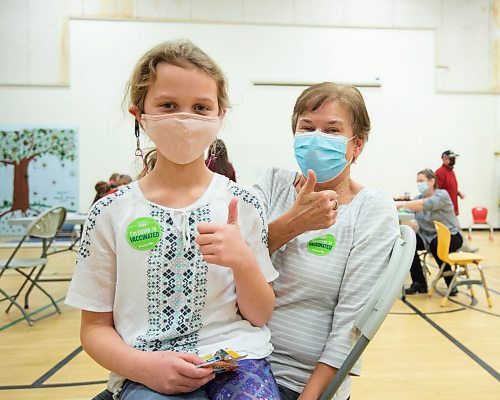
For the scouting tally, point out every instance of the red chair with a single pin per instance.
(480, 217)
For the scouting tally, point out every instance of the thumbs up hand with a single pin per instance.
(222, 244)
(232, 215)
(314, 210)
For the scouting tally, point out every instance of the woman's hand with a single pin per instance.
(400, 204)
(314, 210)
(311, 211)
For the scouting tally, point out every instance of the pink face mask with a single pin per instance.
(181, 137)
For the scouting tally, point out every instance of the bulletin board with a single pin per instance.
(38, 170)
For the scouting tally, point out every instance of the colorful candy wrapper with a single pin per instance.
(223, 360)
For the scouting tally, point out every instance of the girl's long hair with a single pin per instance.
(218, 160)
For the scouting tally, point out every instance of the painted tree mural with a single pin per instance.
(19, 147)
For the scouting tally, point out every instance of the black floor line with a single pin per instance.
(429, 312)
(474, 308)
(488, 368)
(52, 385)
(39, 382)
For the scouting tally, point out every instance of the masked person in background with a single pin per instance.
(330, 240)
(432, 204)
(446, 178)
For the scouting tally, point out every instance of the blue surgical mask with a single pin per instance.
(422, 187)
(321, 152)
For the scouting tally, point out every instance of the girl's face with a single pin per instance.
(332, 118)
(181, 89)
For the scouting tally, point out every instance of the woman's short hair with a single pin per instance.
(429, 174)
(316, 95)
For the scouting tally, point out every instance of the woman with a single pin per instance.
(218, 161)
(432, 204)
(330, 239)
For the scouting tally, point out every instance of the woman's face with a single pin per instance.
(332, 118)
(421, 178)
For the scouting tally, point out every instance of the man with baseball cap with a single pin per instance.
(446, 178)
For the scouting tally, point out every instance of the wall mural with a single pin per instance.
(38, 170)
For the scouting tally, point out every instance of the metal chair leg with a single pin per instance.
(485, 286)
(469, 285)
(15, 303)
(34, 283)
(434, 282)
(35, 279)
(22, 287)
(452, 285)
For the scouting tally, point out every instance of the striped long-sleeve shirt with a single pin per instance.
(326, 276)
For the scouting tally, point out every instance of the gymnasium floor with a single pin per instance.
(421, 351)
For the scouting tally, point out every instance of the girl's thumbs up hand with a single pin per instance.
(222, 244)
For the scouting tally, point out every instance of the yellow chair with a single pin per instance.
(459, 262)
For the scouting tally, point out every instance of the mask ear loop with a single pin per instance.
(138, 150)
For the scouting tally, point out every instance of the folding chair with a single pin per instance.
(379, 304)
(459, 262)
(45, 226)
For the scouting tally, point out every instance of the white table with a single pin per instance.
(71, 218)
(405, 216)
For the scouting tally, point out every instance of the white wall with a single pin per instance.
(34, 34)
(411, 123)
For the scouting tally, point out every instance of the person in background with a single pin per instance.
(102, 188)
(123, 180)
(218, 160)
(112, 180)
(432, 204)
(330, 240)
(446, 178)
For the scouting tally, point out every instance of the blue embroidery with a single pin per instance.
(96, 209)
(250, 198)
(176, 286)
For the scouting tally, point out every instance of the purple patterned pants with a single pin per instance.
(253, 379)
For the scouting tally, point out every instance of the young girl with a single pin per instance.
(175, 266)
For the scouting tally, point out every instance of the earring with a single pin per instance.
(213, 153)
(138, 151)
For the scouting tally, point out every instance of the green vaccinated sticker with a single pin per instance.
(321, 245)
(143, 233)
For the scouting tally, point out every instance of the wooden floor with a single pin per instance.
(422, 351)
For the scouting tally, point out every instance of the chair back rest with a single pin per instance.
(389, 285)
(443, 241)
(47, 224)
(480, 215)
